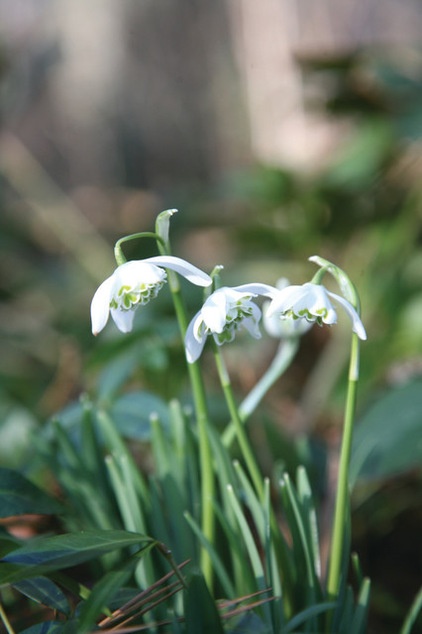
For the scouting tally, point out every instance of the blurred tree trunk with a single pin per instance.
(270, 34)
(147, 91)
(185, 111)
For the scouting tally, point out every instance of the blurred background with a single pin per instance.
(280, 130)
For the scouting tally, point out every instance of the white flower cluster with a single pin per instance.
(290, 311)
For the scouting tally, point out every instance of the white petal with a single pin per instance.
(357, 324)
(123, 319)
(214, 311)
(271, 323)
(137, 272)
(284, 327)
(100, 305)
(317, 303)
(231, 294)
(285, 299)
(252, 326)
(198, 327)
(194, 344)
(190, 272)
(256, 289)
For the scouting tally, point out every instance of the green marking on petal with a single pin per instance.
(128, 298)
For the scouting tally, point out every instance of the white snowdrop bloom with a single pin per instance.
(223, 313)
(283, 327)
(134, 284)
(311, 302)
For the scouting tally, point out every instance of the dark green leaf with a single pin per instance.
(19, 496)
(53, 627)
(101, 595)
(200, 610)
(45, 591)
(62, 551)
(248, 623)
(388, 437)
(308, 614)
(7, 543)
(132, 413)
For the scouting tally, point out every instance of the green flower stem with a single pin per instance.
(282, 360)
(201, 410)
(207, 476)
(342, 494)
(200, 403)
(118, 253)
(242, 438)
(281, 550)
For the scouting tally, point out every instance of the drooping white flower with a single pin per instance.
(223, 313)
(283, 326)
(311, 302)
(134, 284)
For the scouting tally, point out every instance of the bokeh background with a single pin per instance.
(279, 129)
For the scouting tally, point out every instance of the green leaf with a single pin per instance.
(217, 563)
(310, 518)
(251, 546)
(201, 613)
(101, 595)
(19, 496)
(62, 551)
(302, 538)
(249, 623)
(7, 543)
(387, 439)
(53, 627)
(360, 617)
(413, 613)
(44, 591)
(117, 372)
(132, 413)
(307, 614)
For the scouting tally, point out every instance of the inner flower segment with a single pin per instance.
(128, 298)
(235, 315)
(319, 315)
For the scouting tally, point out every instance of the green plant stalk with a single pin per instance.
(118, 253)
(207, 475)
(200, 404)
(258, 482)
(242, 438)
(201, 410)
(342, 494)
(282, 360)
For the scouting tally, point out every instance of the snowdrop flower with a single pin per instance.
(283, 326)
(134, 284)
(311, 302)
(223, 313)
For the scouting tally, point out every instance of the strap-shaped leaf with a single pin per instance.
(201, 613)
(47, 554)
(44, 591)
(19, 496)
